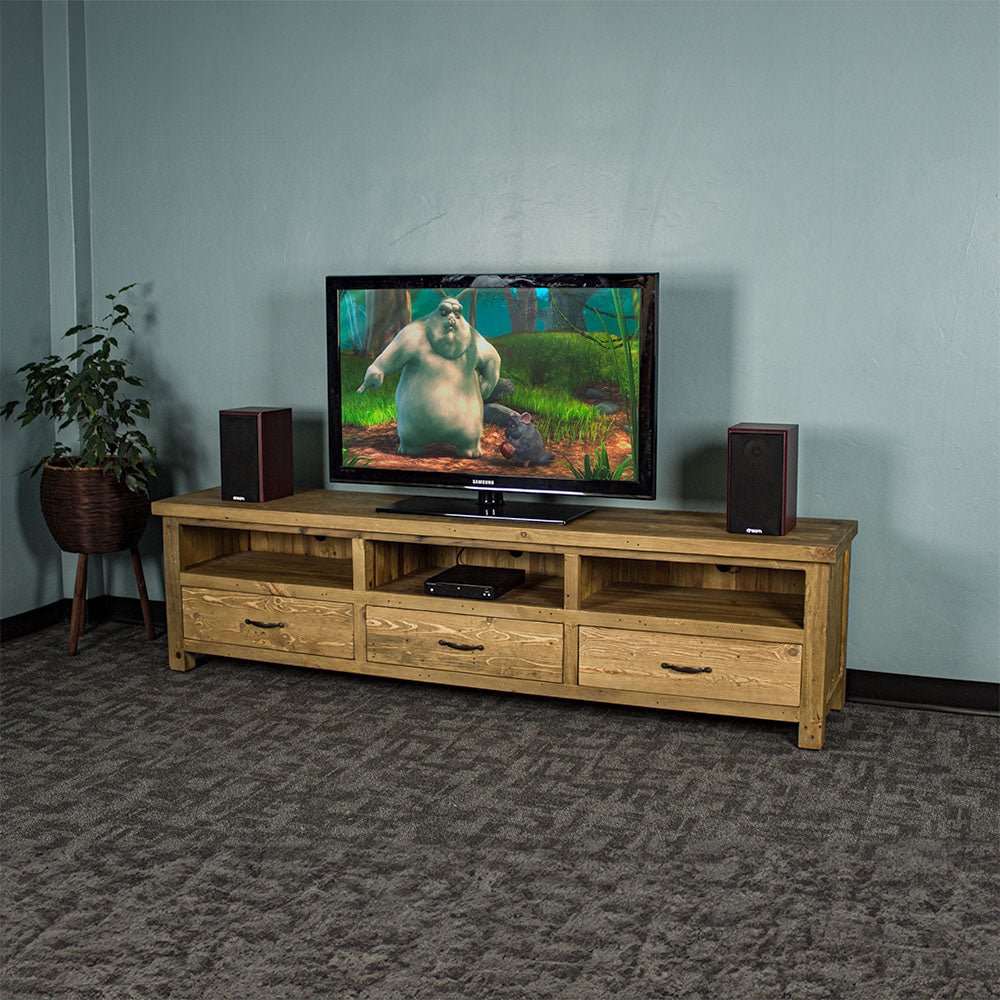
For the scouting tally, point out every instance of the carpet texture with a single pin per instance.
(246, 831)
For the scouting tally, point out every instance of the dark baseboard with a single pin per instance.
(899, 690)
(99, 609)
(14, 626)
(936, 693)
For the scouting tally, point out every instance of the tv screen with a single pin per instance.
(540, 383)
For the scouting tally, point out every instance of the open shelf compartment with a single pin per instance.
(739, 596)
(286, 562)
(400, 569)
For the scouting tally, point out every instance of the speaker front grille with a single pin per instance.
(238, 449)
(756, 494)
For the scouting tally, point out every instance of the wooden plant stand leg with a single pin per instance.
(147, 618)
(76, 620)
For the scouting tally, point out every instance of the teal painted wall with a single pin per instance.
(816, 183)
(32, 572)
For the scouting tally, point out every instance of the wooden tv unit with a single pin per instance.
(630, 606)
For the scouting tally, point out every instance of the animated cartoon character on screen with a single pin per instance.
(448, 369)
(522, 443)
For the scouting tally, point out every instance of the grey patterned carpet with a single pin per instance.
(250, 831)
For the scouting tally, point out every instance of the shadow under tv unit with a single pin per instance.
(627, 606)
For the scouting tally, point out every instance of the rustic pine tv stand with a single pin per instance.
(637, 607)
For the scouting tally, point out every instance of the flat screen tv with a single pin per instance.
(495, 383)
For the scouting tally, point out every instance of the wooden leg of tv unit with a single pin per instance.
(812, 735)
(825, 629)
(179, 658)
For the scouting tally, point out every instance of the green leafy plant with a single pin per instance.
(351, 459)
(86, 389)
(600, 467)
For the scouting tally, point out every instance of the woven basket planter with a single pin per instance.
(88, 510)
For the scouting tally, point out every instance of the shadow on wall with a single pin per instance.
(919, 603)
(300, 361)
(697, 333)
(175, 437)
(695, 385)
(308, 444)
(177, 446)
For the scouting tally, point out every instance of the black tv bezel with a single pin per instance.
(643, 487)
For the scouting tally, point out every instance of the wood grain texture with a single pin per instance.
(841, 687)
(813, 707)
(607, 601)
(686, 626)
(277, 573)
(269, 622)
(488, 682)
(179, 658)
(298, 543)
(697, 603)
(572, 585)
(692, 573)
(733, 670)
(503, 647)
(199, 543)
(622, 529)
(835, 627)
(571, 656)
(362, 558)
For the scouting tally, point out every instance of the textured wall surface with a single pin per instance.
(31, 571)
(816, 184)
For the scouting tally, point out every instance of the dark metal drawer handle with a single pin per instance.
(458, 645)
(250, 621)
(686, 670)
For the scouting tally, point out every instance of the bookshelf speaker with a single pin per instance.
(255, 444)
(760, 488)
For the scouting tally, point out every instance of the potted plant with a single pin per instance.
(94, 499)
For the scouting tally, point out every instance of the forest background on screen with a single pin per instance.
(569, 359)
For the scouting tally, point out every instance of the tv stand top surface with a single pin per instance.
(621, 529)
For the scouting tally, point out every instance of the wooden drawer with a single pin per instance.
(750, 671)
(500, 647)
(265, 621)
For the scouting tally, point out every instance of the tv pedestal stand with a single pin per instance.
(634, 607)
(491, 505)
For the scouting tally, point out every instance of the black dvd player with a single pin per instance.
(477, 583)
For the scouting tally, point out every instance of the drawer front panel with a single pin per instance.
(500, 647)
(323, 628)
(763, 673)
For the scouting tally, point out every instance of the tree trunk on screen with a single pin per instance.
(523, 309)
(566, 309)
(387, 311)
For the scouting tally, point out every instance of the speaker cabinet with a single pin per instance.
(255, 444)
(763, 468)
